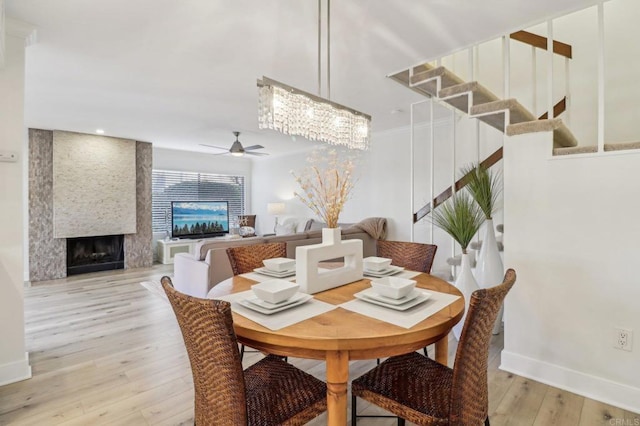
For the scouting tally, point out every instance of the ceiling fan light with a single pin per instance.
(237, 154)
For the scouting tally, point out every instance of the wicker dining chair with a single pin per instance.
(245, 259)
(420, 390)
(270, 392)
(414, 256)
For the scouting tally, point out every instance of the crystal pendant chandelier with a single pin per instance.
(294, 112)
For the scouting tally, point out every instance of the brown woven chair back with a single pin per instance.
(414, 256)
(245, 259)
(470, 394)
(207, 329)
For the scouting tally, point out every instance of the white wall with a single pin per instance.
(14, 363)
(572, 238)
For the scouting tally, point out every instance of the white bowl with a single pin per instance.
(393, 287)
(275, 291)
(279, 264)
(374, 263)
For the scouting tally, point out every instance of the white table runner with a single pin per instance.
(405, 319)
(280, 319)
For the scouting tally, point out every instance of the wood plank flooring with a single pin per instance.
(105, 350)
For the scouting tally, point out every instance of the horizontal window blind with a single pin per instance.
(168, 186)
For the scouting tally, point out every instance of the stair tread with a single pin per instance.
(620, 146)
(458, 95)
(427, 80)
(476, 245)
(493, 114)
(562, 136)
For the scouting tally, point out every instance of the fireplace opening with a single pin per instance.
(93, 254)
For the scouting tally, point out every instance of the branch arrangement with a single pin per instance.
(326, 183)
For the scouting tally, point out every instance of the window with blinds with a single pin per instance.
(168, 186)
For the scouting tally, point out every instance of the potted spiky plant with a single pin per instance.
(460, 217)
(485, 187)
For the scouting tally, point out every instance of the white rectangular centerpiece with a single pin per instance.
(313, 280)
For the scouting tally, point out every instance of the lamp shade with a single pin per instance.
(275, 208)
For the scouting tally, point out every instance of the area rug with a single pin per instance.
(155, 288)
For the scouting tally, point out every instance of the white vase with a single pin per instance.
(331, 236)
(313, 279)
(489, 266)
(467, 284)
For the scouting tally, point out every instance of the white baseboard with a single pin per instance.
(15, 371)
(604, 390)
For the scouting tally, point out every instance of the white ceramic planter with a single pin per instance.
(467, 284)
(311, 280)
(489, 267)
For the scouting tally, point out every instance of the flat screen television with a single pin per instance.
(199, 219)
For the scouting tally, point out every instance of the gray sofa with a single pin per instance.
(196, 274)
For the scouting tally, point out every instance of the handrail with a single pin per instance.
(558, 109)
(540, 42)
(460, 183)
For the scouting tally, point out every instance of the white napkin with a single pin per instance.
(281, 319)
(405, 319)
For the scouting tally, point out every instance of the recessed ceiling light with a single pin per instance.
(100, 131)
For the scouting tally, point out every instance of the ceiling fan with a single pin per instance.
(237, 150)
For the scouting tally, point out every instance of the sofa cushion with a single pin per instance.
(300, 223)
(285, 229)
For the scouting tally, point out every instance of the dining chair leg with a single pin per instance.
(425, 351)
(486, 422)
(241, 352)
(354, 418)
(377, 361)
(400, 421)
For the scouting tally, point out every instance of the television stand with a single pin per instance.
(168, 249)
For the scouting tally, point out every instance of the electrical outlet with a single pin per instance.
(8, 156)
(623, 339)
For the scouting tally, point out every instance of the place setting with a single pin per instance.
(276, 303)
(277, 267)
(398, 301)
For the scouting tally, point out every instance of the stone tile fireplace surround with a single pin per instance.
(48, 250)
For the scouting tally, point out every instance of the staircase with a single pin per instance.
(508, 116)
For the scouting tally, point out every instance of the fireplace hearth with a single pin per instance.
(93, 254)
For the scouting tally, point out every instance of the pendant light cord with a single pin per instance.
(328, 48)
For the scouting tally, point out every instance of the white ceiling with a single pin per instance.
(182, 73)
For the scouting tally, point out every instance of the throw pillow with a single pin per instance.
(286, 229)
(247, 220)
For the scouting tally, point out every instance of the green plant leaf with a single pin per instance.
(459, 217)
(484, 186)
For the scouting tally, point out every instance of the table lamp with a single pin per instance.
(275, 209)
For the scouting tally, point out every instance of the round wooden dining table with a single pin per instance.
(340, 335)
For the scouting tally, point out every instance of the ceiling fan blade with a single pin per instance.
(252, 147)
(213, 146)
(255, 153)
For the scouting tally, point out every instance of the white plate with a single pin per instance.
(249, 305)
(385, 272)
(271, 306)
(422, 297)
(264, 271)
(371, 294)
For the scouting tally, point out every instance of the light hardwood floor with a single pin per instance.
(105, 350)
